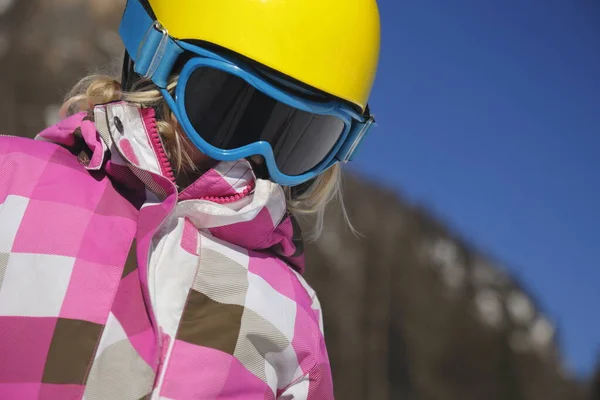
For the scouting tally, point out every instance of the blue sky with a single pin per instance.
(489, 114)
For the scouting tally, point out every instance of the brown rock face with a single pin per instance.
(45, 47)
(411, 311)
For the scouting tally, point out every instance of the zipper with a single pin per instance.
(165, 357)
(149, 121)
(229, 199)
(161, 356)
(159, 148)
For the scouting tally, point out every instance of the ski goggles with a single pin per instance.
(231, 111)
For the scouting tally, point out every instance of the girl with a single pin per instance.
(148, 247)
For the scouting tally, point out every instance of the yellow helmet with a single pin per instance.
(331, 45)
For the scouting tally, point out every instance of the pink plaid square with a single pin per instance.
(199, 372)
(303, 297)
(145, 344)
(129, 307)
(308, 344)
(21, 172)
(91, 291)
(52, 228)
(100, 231)
(113, 205)
(20, 391)
(24, 344)
(189, 239)
(275, 272)
(248, 234)
(195, 372)
(243, 385)
(61, 185)
(62, 392)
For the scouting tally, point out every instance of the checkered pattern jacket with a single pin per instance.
(115, 286)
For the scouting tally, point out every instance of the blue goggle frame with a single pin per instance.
(154, 53)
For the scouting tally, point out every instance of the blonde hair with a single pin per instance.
(101, 89)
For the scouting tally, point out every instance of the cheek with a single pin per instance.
(199, 157)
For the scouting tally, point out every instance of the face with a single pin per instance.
(200, 160)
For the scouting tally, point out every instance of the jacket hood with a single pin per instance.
(227, 201)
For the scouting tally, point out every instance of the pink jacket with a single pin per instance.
(115, 286)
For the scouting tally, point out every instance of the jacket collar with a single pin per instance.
(228, 201)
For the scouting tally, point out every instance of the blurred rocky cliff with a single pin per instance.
(411, 311)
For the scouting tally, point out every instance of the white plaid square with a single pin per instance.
(3, 266)
(276, 205)
(271, 305)
(316, 304)
(236, 172)
(228, 250)
(283, 368)
(298, 391)
(113, 333)
(169, 287)
(11, 215)
(34, 285)
(118, 371)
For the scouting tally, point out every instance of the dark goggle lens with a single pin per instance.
(229, 113)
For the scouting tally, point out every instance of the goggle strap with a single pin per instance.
(148, 44)
(356, 136)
